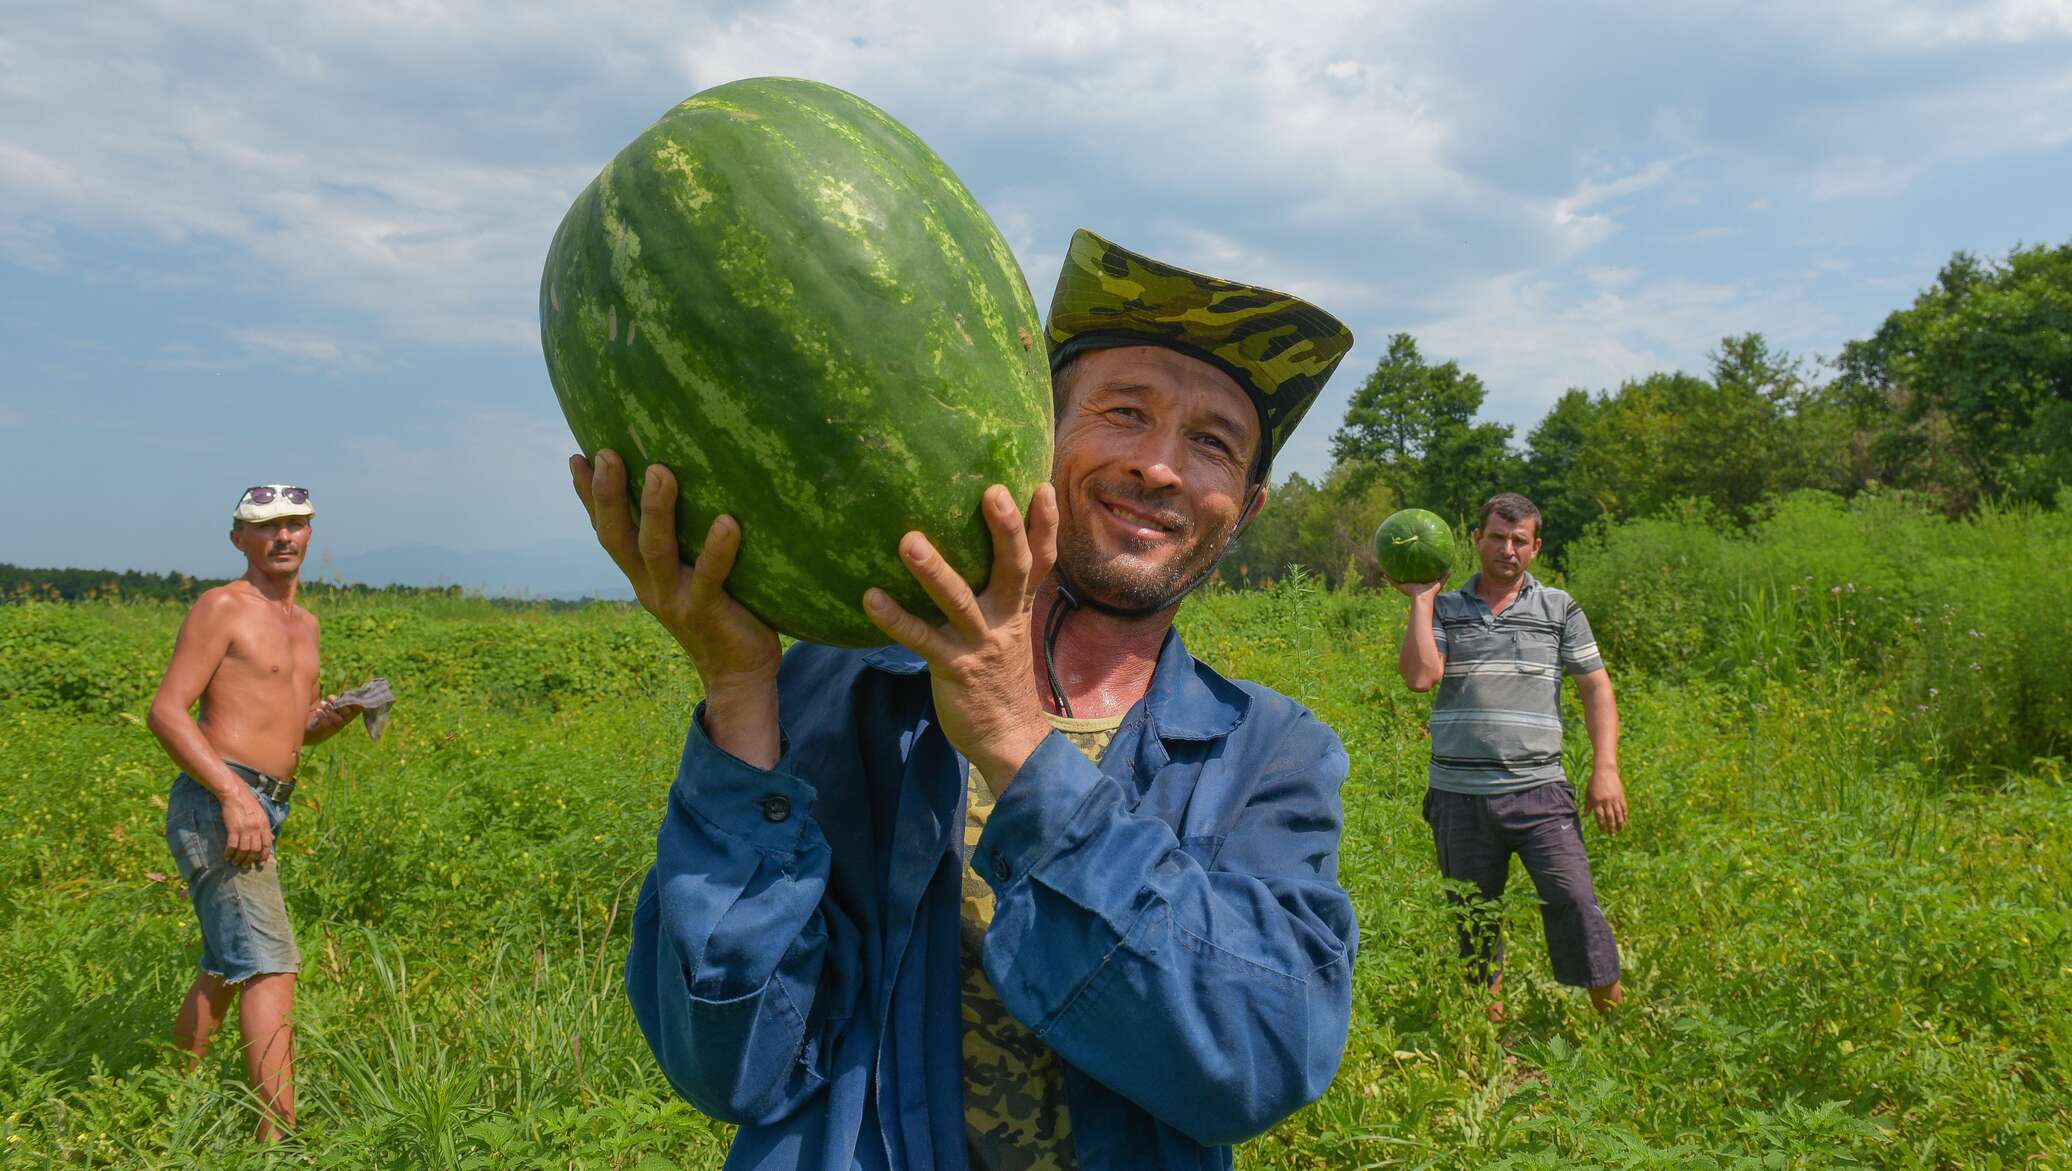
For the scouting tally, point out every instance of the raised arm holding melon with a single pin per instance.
(1415, 549)
(922, 906)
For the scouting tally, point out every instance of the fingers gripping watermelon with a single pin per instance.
(786, 297)
(1414, 546)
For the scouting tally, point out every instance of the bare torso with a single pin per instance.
(257, 704)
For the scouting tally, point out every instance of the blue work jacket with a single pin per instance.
(1169, 922)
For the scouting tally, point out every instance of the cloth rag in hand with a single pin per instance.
(374, 699)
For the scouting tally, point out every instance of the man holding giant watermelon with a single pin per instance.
(1497, 649)
(1030, 887)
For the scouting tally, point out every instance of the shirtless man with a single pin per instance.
(249, 654)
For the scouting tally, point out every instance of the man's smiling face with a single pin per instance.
(1153, 451)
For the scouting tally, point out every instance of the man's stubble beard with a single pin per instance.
(1116, 582)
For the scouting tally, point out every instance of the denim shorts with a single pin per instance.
(244, 924)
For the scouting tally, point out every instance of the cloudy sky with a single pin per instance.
(244, 243)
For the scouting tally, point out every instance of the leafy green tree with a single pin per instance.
(1553, 452)
(1411, 426)
(1623, 464)
(1807, 425)
(1326, 528)
(1336, 533)
(1755, 429)
(1968, 392)
(1270, 544)
(1737, 441)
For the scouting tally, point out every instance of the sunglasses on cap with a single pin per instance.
(264, 494)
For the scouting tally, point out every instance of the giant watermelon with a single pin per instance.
(1414, 546)
(786, 297)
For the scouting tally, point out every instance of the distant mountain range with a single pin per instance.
(572, 568)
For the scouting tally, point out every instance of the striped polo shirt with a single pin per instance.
(1496, 722)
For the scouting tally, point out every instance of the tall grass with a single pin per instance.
(1962, 623)
(107, 657)
(1841, 950)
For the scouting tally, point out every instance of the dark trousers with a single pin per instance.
(1476, 837)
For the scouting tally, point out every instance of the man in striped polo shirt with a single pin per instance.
(1497, 648)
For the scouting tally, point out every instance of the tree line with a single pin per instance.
(26, 584)
(1964, 397)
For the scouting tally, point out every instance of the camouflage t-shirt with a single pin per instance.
(1015, 1117)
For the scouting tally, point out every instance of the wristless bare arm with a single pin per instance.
(1605, 797)
(1419, 660)
(203, 641)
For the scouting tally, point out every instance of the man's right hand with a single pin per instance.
(1418, 590)
(735, 654)
(249, 840)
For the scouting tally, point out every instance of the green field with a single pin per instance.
(1843, 903)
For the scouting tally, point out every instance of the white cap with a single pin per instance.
(278, 505)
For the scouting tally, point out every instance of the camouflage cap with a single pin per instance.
(1280, 349)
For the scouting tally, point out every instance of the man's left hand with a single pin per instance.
(980, 661)
(1606, 800)
(328, 715)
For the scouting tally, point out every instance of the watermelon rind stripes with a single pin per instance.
(785, 296)
(1414, 545)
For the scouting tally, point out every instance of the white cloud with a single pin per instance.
(408, 162)
(2000, 22)
(1848, 30)
(29, 245)
(1861, 175)
(488, 478)
(345, 180)
(1206, 251)
(390, 174)
(1584, 229)
(35, 173)
(1530, 337)
(287, 343)
(1022, 214)
(1185, 96)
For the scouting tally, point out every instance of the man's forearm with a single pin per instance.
(1418, 661)
(1601, 720)
(183, 740)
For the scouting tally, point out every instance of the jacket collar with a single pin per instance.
(1188, 699)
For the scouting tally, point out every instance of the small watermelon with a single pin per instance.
(1414, 546)
(782, 294)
